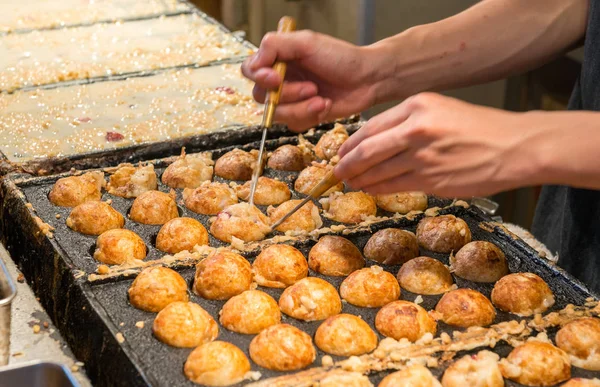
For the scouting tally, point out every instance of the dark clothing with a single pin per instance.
(567, 219)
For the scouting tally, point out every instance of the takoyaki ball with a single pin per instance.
(241, 221)
(188, 171)
(345, 335)
(536, 363)
(413, 376)
(94, 218)
(351, 207)
(402, 202)
(154, 207)
(310, 299)
(404, 320)
(581, 382)
(479, 261)
(443, 234)
(237, 165)
(268, 192)
(130, 182)
(209, 198)
(282, 347)
(181, 234)
(117, 246)
(465, 308)
(424, 275)
(223, 275)
(392, 246)
(279, 266)
(331, 142)
(311, 176)
(523, 294)
(73, 190)
(250, 312)
(217, 363)
(184, 325)
(290, 158)
(306, 218)
(340, 377)
(371, 287)
(480, 370)
(156, 287)
(581, 340)
(335, 256)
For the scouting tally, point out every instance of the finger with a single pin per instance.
(303, 115)
(386, 170)
(404, 182)
(291, 92)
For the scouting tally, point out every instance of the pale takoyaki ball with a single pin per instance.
(340, 377)
(402, 202)
(404, 320)
(94, 218)
(479, 261)
(269, 192)
(184, 325)
(282, 347)
(311, 176)
(335, 256)
(310, 299)
(154, 207)
(223, 275)
(117, 246)
(581, 382)
(290, 158)
(241, 221)
(250, 312)
(465, 308)
(480, 370)
(581, 340)
(73, 190)
(188, 171)
(392, 246)
(536, 363)
(331, 142)
(523, 294)
(181, 234)
(424, 275)
(306, 218)
(279, 266)
(413, 376)
(345, 335)
(351, 207)
(130, 182)
(217, 363)
(237, 165)
(443, 234)
(371, 287)
(209, 198)
(156, 287)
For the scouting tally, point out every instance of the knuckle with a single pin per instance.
(268, 40)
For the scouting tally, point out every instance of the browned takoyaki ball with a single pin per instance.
(536, 363)
(580, 339)
(130, 182)
(250, 312)
(443, 234)
(184, 325)
(154, 207)
(331, 142)
(371, 287)
(351, 207)
(404, 320)
(268, 192)
(424, 275)
(306, 218)
(290, 158)
(188, 171)
(237, 165)
(73, 190)
(345, 335)
(310, 299)
(279, 266)
(282, 347)
(311, 176)
(117, 246)
(209, 198)
(392, 246)
(402, 202)
(413, 376)
(523, 294)
(479, 261)
(241, 221)
(156, 287)
(581, 382)
(94, 218)
(217, 363)
(335, 256)
(465, 308)
(223, 275)
(181, 234)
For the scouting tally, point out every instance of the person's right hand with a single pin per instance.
(326, 78)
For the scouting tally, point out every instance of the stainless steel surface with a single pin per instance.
(37, 374)
(486, 205)
(8, 292)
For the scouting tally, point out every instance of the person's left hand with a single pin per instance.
(442, 146)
